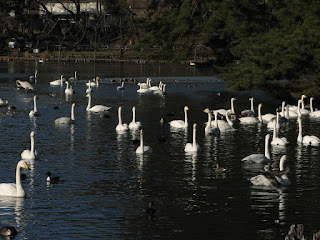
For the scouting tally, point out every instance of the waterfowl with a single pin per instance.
(67, 120)
(121, 127)
(52, 179)
(224, 111)
(180, 123)
(14, 189)
(69, 90)
(194, 146)
(74, 78)
(212, 126)
(58, 81)
(150, 209)
(143, 90)
(89, 89)
(265, 117)
(96, 108)
(133, 125)
(145, 85)
(142, 149)
(32, 153)
(8, 231)
(34, 112)
(248, 112)
(276, 141)
(24, 84)
(3, 103)
(155, 88)
(121, 87)
(260, 158)
(313, 114)
(220, 170)
(95, 82)
(34, 77)
(309, 140)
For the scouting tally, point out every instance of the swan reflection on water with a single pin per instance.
(13, 206)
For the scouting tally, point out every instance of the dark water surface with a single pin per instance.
(106, 186)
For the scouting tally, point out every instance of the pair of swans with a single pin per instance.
(24, 84)
(133, 125)
(142, 149)
(34, 112)
(67, 120)
(58, 81)
(96, 108)
(180, 124)
(14, 189)
(194, 146)
(212, 126)
(273, 178)
(309, 140)
(30, 154)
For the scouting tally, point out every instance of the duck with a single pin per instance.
(58, 81)
(69, 90)
(313, 113)
(95, 82)
(249, 112)
(34, 112)
(180, 123)
(133, 125)
(150, 209)
(142, 149)
(32, 153)
(8, 231)
(220, 170)
(14, 189)
(194, 146)
(309, 140)
(121, 127)
(24, 84)
(96, 108)
(258, 157)
(52, 179)
(67, 120)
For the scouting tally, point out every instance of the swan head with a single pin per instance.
(32, 134)
(194, 126)
(23, 164)
(186, 108)
(206, 110)
(88, 95)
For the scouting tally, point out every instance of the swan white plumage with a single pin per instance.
(74, 78)
(273, 178)
(121, 87)
(24, 84)
(69, 90)
(260, 158)
(96, 108)
(133, 125)
(89, 89)
(224, 111)
(293, 107)
(32, 153)
(309, 140)
(300, 107)
(212, 126)
(249, 112)
(156, 88)
(144, 90)
(95, 83)
(249, 120)
(67, 120)
(34, 112)
(121, 127)
(145, 85)
(14, 189)
(313, 114)
(34, 77)
(265, 117)
(58, 81)
(194, 146)
(226, 126)
(276, 141)
(143, 148)
(180, 123)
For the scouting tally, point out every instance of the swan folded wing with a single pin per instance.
(177, 124)
(264, 180)
(8, 189)
(256, 158)
(63, 120)
(310, 140)
(99, 108)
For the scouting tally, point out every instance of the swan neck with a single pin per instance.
(232, 107)
(281, 164)
(209, 119)
(18, 180)
(259, 113)
(72, 112)
(32, 144)
(119, 116)
(141, 140)
(275, 135)
(228, 120)
(185, 118)
(216, 119)
(252, 108)
(35, 104)
(266, 147)
(311, 105)
(133, 115)
(89, 102)
(194, 142)
(300, 130)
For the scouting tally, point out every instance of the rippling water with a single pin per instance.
(105, 186)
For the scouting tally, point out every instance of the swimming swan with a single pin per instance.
(34, 112)
(58, 81)
(96, 108)
(121, 127)
(224, 111)
(32, 153)
(133, 125)
(69, 90)
(260, 158)
(265, 117)
(194, 146)
(313, 114)
(95, 83)
(275, 139)
(142, 148)
(14, 189)
(24, 84)
(249, 112)
(121, 87)
(306, 140)
(180, 123)
(67, 120)
(212, 126)
(89, 89)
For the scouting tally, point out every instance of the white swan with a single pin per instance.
(95, 83)
(89, 89)
(96, 108)
(14, 189)
(34, 112)
(226, 126)
(212, 126)
(67, 120)
(156, 88)
(249, 112)
(143, 148)
(34, 77)
(224, 111)
(260, 158)
(273, 178)
(307, 139)
(133, 125)
(265, 117)
(58, 81)
(300, 107)
(275, 139)
(121, 127)
(143, 90)
(145, 85)
(249, 120)
(121, 87)
(313, 114)
(180, 123)
(74, 78)
(32, 153)
(24, 84)
(194, 146)
(69, 90)
(293, 107)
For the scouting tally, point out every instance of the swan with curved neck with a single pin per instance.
(133, 125)
(313, 114)
(32, 153)
(34, 112)
(181, 123)
(34, 77)
(194, 146)
(142, 149)
(155, 88)
(309, 140)
(121, 127)
(260, 158)
(14, 189)
(276, 141)
(96, 108)
(69, 90)
(67, 120)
